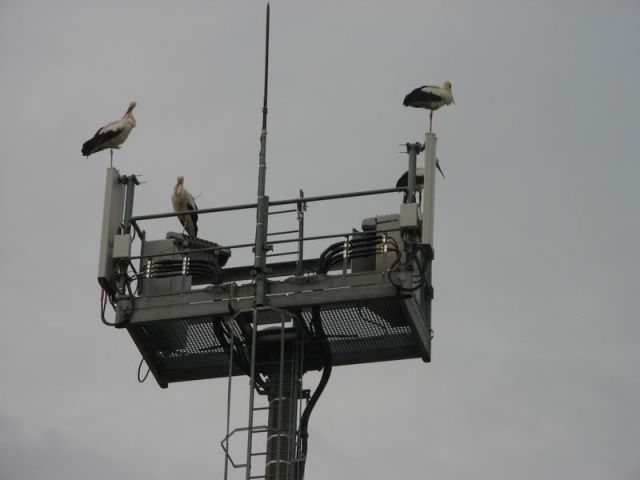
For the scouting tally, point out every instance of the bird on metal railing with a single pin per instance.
(182, 201)
(111, 135)
(430, 97)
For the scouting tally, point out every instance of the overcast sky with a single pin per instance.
(536, 276)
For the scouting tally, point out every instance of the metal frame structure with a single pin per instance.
(288, 285)
(373, 306)
(366, 298)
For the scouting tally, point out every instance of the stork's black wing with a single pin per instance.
(421, 97)
(93, 145)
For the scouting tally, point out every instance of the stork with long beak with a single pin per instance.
(111, 135)
(404, 180)
(183, 201)
(430, 97)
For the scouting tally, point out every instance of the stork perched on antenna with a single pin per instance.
(430, 97)
(183, 201)
(111, 135)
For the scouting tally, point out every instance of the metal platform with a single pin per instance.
(370, 289)
(365, 317)
(365, 298)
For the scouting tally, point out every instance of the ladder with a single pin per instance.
(275, 371)
(301, 207)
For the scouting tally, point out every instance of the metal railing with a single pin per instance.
(299, 238)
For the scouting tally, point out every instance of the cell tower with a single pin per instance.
(366, 298)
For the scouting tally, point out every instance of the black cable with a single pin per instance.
(362, 246)
(412, 256)
(146, 374)
(316, 321)
(132, 298)
(173, 268)
(103, 308)
(357, 253)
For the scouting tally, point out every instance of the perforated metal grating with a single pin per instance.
(360, 332)
(364, 332)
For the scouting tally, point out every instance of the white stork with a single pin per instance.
(403, 181)
(430, 97)
(111, 135)
(182, 201)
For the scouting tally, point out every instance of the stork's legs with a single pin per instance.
(430, 119)
(111, 151)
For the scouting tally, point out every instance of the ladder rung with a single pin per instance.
(260, 408)
(265, 453)
(259, 429)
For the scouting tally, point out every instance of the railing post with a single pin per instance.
(130, 181)
(412, 149)
(345, 255)
(300, 207)
(429, 188)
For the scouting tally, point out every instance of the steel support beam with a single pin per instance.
(221, 300)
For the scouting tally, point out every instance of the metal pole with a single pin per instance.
(263, 201)
(300, 209)
(280, 444)
(252, 391)
(335, 196)
(282, 421)
(412, 149)
(131, 182)
(429, 188)
(281, 378)
(247, 206)
(226, 456)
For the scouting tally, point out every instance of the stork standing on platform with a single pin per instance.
(111, 135)
(430, 97)
(182, 201)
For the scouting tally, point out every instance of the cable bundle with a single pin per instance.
(165, 268)
(363, 245)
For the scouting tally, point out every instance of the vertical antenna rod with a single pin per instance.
(266, 80)
(261, 247)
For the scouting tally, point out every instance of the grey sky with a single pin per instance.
(537, 266)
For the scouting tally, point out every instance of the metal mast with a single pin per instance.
(261, 248)
(374, 311)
